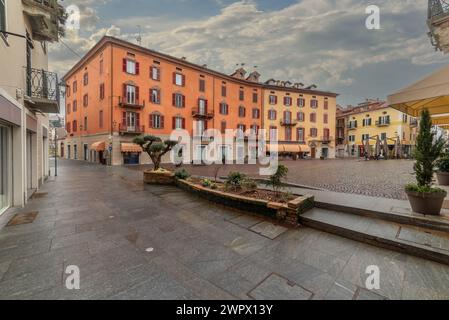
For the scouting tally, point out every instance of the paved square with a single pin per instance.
(132, 241)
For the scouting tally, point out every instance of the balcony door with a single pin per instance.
(131, 121)
(202, 109)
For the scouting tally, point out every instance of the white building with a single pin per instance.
(28, 93)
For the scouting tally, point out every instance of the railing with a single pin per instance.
(123, 102)
(201, 113)
(326, 139)
(288, 122)
(352, 127)
(42, 84)
(131, 129)
(383, 123)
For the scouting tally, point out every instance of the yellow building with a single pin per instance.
(372, 119)
(301, 120)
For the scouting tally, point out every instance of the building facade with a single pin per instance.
(28, 93)
(120, 90)
(372, 119)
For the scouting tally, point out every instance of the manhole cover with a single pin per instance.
(39, 195)
(22, 218)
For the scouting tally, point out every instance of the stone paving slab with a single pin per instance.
(269, 230)
(197, 251)
(276, 287)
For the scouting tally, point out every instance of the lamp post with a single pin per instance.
(56, 153)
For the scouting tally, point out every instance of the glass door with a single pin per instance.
(5, 168)
(131, 121)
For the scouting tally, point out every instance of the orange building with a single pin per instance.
(120, 90)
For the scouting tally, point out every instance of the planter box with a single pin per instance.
(443, 178)
(283, 212)
(158, 178)
(426, 203)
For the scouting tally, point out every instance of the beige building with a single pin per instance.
(28, 93)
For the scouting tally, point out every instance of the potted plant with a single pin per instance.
(156, 149)
(423, 197)
(443, 170)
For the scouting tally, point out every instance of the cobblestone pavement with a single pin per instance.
(384, 179)
(132, 241)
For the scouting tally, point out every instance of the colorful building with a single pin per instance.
(372, 119)
(120, 90)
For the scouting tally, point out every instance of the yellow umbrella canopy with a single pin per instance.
(430, 93)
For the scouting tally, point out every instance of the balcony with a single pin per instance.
(288, 122)
(123, 129)
(131, 105)
(326, 139)
(413, 123)
(45, 17)
(352, 127)
(383, 123)
(199, 113)
(42, 90)
(438, 23)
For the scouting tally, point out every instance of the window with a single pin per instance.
(255, 97)
(68, 108)
(155, 96)
(385, 120)
(202, 106)
(67, 91)
(313, 117)
(301, 116)
(179, 79)
(131, 94)
(352, 124)
(300, 135)
(75, 106)
(326, 104)
(131, 66)
(287, 101)
(155, 73)
(313, 132)
(287, 117)
(273, 99)
(101, 67)
(404, 118)
(2, 15)
(288, 134)
(242, 112)
(85, 123)
(223, 91)
(314, 103)
(366, 122)
(85, 100)
(365, 137)
(74, 126)
(301, 102)
(179, 123)
(241, 129)
(100, 119)
(256, 113)
(224, 108)
(254, 129)
(273, 133)
(68, 127)
(383, 136)
(156, 121)
(202, 85)
(326, 118)
(179, 100)
(326, 134)
(241, 95)
(272, 114)
(75, 86)
(351, 138)
(102, 91)
(86, 79)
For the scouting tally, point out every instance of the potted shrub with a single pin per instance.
(156, 149)
(443, 170)
(423, 197)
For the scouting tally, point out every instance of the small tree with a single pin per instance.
(428, 149)
(275, 181)
(156, 148)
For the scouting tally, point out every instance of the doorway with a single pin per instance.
(313, 153)
(29, 161)
(5, 168)
(86, 152)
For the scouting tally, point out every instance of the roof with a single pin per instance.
(368, 106)
(106, 40)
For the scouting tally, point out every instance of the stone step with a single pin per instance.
(399, 214)
(421, 242)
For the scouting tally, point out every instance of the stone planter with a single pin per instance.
(158, 178)
(443, 178)
(426, 203)
(287, 213)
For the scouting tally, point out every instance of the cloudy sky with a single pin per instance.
(323, 42)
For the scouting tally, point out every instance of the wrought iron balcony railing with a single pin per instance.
(46, 18)
(131, 129)
(136, 104)
(42, 87)
(383, 123)
(288, 122)
(202, 113)
(437, 9)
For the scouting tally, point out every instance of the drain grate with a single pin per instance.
(39, 195)
(22, 218)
